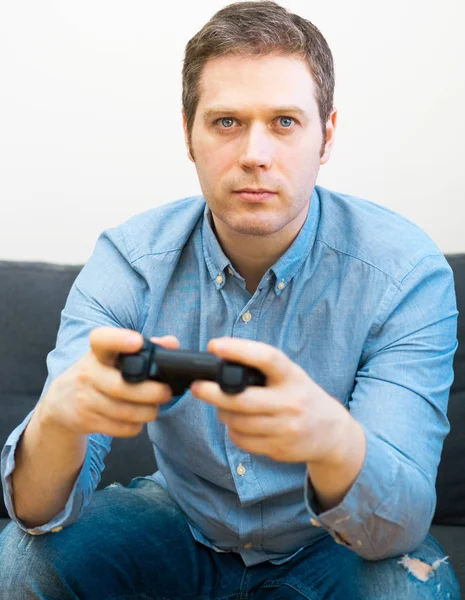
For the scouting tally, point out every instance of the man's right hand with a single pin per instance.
(92, 396)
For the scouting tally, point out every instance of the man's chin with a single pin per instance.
(251, 225)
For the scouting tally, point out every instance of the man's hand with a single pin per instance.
(92, 396)
(292, 419)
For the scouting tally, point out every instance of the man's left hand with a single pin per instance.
(291, 419)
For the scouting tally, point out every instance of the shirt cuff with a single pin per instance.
(74, 504)
(346, 522)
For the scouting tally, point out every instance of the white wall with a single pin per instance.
(90, 114)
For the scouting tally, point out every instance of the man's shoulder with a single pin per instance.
(372, 233)
(165, 228)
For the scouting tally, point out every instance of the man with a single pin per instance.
(322, 483)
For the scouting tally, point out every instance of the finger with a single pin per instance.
(112, 427)
(252, 401)
(122, 411)
(167, 341)
(271, 361)
(107, 342)
(109, 381)
(256, 425)
(251, 443)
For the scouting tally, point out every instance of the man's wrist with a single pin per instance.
(335, 431)
(333, 476)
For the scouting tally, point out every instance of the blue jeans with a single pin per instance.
(134, 543)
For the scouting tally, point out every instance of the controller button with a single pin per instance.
(241, 470)
(233, 375)
(246, 317)
(134, 365)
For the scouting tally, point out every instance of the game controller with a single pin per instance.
(179, 368)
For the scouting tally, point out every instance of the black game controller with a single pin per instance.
(179, 368)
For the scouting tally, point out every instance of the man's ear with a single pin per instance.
(331, 124)
(186, 137)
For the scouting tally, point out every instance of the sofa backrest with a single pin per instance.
(450, 482)
(32, 296)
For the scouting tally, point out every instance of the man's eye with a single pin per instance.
(286, 122)
(226, 122)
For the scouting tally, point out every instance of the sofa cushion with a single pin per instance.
(450, 482)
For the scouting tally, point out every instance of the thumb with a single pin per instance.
(107, 342)
(167, 341)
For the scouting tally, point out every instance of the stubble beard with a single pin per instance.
(245, 222)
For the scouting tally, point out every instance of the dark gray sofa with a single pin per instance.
(32, 296)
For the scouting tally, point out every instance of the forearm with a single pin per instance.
(47, 462)
(332, 478)
(386, 511)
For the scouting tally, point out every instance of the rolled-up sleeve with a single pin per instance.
(105, 293)
(400, 399)
(83, 488)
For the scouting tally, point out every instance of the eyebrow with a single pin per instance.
(291, 108)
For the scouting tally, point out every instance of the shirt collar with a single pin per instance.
(284, 269)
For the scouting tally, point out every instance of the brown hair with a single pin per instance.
(257, 29)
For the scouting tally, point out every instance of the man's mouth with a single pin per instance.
(255, 195)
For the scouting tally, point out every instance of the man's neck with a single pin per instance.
(253, 255)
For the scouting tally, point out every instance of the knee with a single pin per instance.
(430, 578)
(28, 564)
(14, 550)
(425, 574)
(421, 570)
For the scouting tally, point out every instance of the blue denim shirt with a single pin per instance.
(363, 300)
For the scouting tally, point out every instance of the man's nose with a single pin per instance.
(257, 148)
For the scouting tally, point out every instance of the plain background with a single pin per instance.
(91, 129)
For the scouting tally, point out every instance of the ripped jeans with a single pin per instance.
(133, 543)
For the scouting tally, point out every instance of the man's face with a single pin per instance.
(257, 125)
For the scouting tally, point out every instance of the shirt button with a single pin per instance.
(246, 317)
(56, 529)
(281, 285)
(219, 279)
(341, 539)
(240, 470)
(314, 522)
(248, 545)
(230, 271)
(32, 532)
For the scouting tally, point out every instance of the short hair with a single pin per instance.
(258, 28)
